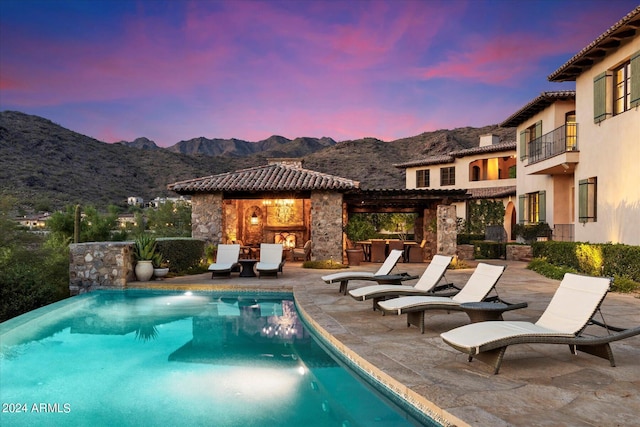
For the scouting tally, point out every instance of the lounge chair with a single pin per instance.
(427, 285)
(564, 321)
(343, 277)
(271, 261)
(226, 260)
(304, 252)
(479, 285)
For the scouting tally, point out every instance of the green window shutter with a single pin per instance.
(542, 206)
(523, 145)
(521, 200)
(583, 195)
(538, 130)
(635, 79)
(600, 97)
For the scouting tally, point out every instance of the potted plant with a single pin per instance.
(160, 267)
(144, 251)
(357, 229)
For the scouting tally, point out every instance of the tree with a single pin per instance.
(170, 220)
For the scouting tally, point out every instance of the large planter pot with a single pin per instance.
(160, 272)
(355, 256)
(144, 270)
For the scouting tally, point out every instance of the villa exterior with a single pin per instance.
(486, 172)
(578, 150)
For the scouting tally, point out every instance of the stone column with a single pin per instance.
(447, 230)
(326, 225)
(206, 218)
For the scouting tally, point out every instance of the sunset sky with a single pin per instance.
(175, 70)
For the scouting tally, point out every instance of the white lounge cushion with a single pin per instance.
(403, 303)
(226, 257)
(365, 291)
(571, 307)
(267, 266)
(477, 334)
(220, 267)
(347, 275)
(483, 279)
(385, 268)
(429, 279)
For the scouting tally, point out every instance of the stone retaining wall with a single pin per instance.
(96, 265)
(519, 253)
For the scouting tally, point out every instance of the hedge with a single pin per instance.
(485, 249)
(182, 254)
(598, 259)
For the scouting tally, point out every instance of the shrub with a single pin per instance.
(590, 259)
(610, 260)
(624, 284)
(326, 264)
(492, 250)
(545, 268)
(183, 255)
(468, 238)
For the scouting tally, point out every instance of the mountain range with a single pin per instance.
(44, 166)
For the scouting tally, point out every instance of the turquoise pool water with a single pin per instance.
(142, 358)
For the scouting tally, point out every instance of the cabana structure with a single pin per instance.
(282, 202)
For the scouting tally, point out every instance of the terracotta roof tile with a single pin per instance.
(450, 158)
(536, 105)
(626, 28)
(273, 177)
(492, 192)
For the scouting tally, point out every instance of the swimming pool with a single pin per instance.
(168, 358)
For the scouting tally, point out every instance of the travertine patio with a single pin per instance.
(538, 385)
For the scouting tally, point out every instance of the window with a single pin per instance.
(475, 173)
(422, 178)
(617, 90)
(532, 207)
(588, 197)
(571, 131)
(448, 176)
(622, 88)
(528, 135)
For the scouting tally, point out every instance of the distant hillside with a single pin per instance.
(275, 146)
(45, 166)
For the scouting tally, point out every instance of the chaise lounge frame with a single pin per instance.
(492, 353)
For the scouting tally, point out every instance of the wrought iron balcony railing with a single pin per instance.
(558, 141)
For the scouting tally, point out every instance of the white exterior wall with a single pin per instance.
(552, 118)
(609, 151)
(462, 178)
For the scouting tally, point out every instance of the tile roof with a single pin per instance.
(538, 104)
(491, 192)
(493, 148)
(273, 177)
(450, 158)
(626, 28)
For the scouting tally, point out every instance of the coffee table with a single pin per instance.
(247, 267)
(484, 311)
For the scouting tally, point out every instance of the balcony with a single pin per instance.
(555, 152)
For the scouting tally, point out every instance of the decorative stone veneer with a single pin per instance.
(206, 218)
(447, 230)
(465, 252)
(326, 225)
(519, 253)
(95, 265)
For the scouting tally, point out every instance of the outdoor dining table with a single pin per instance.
(366, 248)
